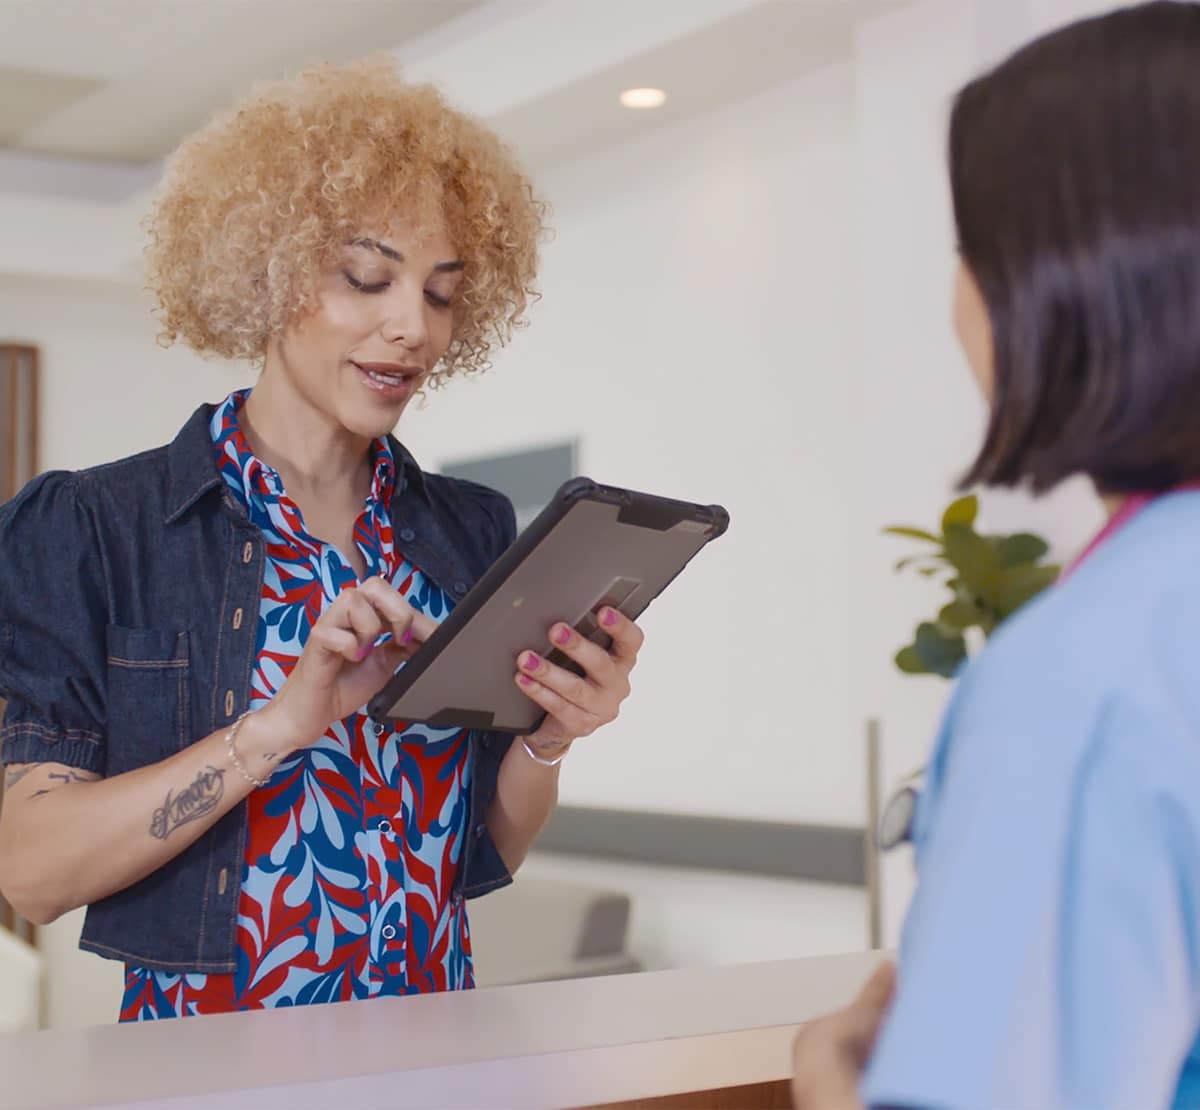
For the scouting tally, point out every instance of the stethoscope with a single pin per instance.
(898, 816)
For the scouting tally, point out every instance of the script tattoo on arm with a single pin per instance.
(191, 804)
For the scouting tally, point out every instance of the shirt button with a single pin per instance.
(247, 552)
(407, 535)
(379, 729)
(389, 932)
(228, 703)
(385, 827)
(237, 619)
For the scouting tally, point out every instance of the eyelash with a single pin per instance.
(379, 287)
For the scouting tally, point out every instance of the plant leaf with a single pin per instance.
(959, 615)
(908, 561)
(908, 661)
(972, 556)
(1024, 547)
(911, 533)
(1015, 586)
(940, 652)
(962, 511)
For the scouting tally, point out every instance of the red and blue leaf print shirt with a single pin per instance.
(354, 842)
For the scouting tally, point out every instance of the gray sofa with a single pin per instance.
(539, 929)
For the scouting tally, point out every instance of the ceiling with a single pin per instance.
(94, 93)
(125, 80)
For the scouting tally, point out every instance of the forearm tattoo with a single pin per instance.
(62, 780)
(195, 802)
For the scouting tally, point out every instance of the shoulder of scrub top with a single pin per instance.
(1122, 632)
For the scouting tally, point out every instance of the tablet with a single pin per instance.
(592, 546)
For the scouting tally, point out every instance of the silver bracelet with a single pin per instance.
(541, 759)
(230, 736)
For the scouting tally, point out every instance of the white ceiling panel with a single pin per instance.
(744, 54)
(107, 38)
(30, 97)
(174, 77)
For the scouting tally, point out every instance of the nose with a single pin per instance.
(404, 316)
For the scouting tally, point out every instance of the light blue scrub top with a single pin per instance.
(1051, 956)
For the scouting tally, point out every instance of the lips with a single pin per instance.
(390, 380)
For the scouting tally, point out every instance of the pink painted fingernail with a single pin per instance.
(563, 635)
(609, 618)
(407, 637)
(363, 652)
(530, 662)
(525, 680)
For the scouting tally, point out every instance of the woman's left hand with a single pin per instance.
(578, 705)
(831, 1053)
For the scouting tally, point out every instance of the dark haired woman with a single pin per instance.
(1052, 954)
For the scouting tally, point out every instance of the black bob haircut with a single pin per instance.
(1075, 174)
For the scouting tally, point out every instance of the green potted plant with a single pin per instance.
(989, 578)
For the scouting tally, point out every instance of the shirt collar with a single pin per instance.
(253, 476)
(1130, 507)
(192, 466)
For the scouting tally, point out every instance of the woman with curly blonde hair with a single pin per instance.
(188, 636)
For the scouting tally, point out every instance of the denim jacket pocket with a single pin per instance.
(149, 704)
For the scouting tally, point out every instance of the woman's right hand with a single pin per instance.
(340, 668)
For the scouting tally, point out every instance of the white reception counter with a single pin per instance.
(588, 1042)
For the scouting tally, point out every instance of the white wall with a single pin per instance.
(107, 388)
(698, 335)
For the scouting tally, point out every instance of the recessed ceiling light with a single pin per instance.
(643, 98)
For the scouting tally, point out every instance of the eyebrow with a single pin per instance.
(396, 256)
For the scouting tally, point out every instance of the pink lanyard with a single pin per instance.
(1130, 508)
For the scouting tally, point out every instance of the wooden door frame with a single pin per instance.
(21, 470)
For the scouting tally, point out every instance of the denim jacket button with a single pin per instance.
(407, 535)
(460, 588)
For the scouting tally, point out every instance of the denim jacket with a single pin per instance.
(124, 597)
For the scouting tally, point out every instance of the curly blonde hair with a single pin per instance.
(257, 204)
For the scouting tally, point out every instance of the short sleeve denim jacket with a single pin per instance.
(122, 591)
